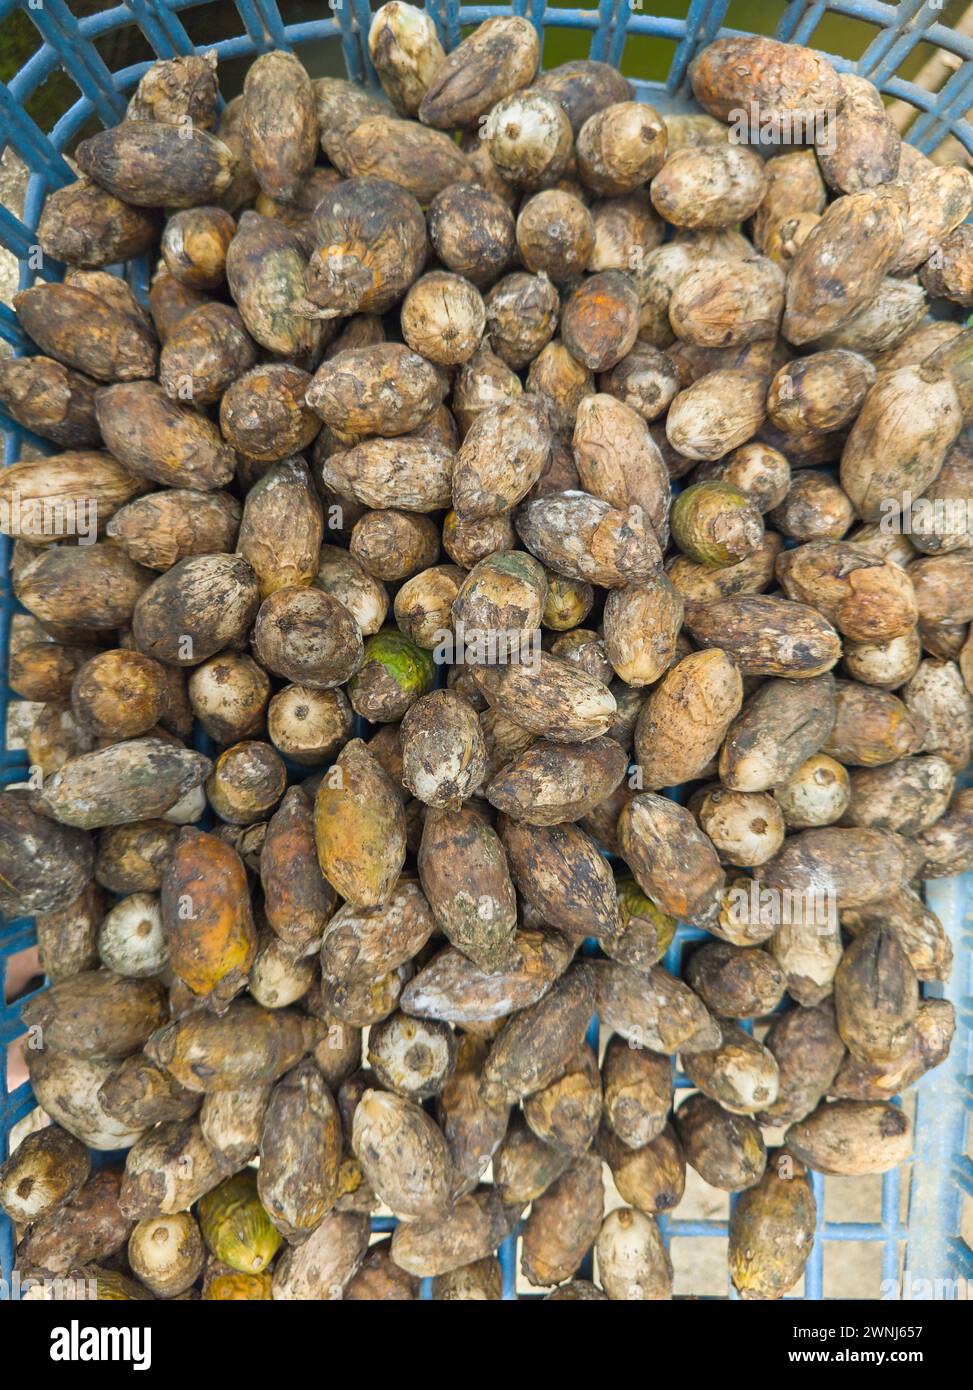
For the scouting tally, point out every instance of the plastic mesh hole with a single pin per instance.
(51, 98)
(208, 24)
(762, 18)
(852, 1268)
(839, 33)
(16, 1067)
(699, 1266)
(647, 57)
(563, 45)
(853, 1199)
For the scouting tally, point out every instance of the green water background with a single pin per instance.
(643, 57)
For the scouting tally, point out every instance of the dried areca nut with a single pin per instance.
(46, 1170)
(567, 603)
(650, 1008)
(359, 827)
(67, 1086)
(871, 727)
(674, 863)
(167, 1170)
(474, 1227)
(683, 723)
(918, 930)
(87, 226)
(566, 1112)
(79, 591)
(170, 302)
(747, 828)
(391, 676)
(168, 526)
(809, 1051)
(197, 608)
(766, 636)
(563, 1224)
(795, 190)
(166, 1253)
(422, 161)
(443, 317)
(772, 1230)
(942, 585)
(280, 533)
(719, 412)
(645, 380)
(153, 164)
(473, 1128)
(480, 384)
(726, 1150)
(645, 933)
(852, 1138)
(550, 783)
(158, 438)
(326, 1262)
(816, 793)
(178, 90)
(51, 400)
(466, 880)
(409, 472)
(907, 796)
(384, 389)
(67, 938)
(423, 606)
(524, 1166)
(939, 198)
(64, 497)
(472, 232)
(55, 737)
(637, 1092)
(555, 235)
(344, 578)
(882, 321)
(443, 752)
(815, 509)
(620, 148)
(641, 628)
(498, 58)
(119, 694)
(141, 1094)
(380, 1280)
(529, 139)
(298, 902)
(727, 303)
(131, 858)
(734, 981)
(505, 451)
(264, 416)
(194, 246)
(937, 698)
(265, 270)
(583, 87)
(864, 1081)
(948, 845)
(859, 146)
(600, 319)
(785, 239)
(500, 605)
(308, 726)
(131, 941)
(583, 647)
(714, 523)
(876, 998)
(455, 990)
(946, 524)
(244, 1046)
(412, 1057)
(404, 1156)
(97, 1014)
(98, 337)
(393, 545)
(229, 694)
(840, 265)
(370, 238)
(585, 538)
(948, 273)
(537, 1045)
(848, 867)
(129, 781)
(296, 212)
(406, 53)
(781, 726)
(364, 944)
(362, 1003)
(300, 1152)
(205, 904)
(247, 781)
(521, 316)
(618, 460)
(633, 1262)
(740, 1074)
(90, 1225)
(560, 871)
(279, 122)
(340, 105)
(781, 79)
(479, 1282)
(711, 186)
(823, 391)
(308, 637)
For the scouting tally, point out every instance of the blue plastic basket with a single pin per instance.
(927, 1245)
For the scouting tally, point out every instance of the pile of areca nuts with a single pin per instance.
(396, 438)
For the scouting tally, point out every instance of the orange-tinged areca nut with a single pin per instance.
(206, 913)
(359, 827)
